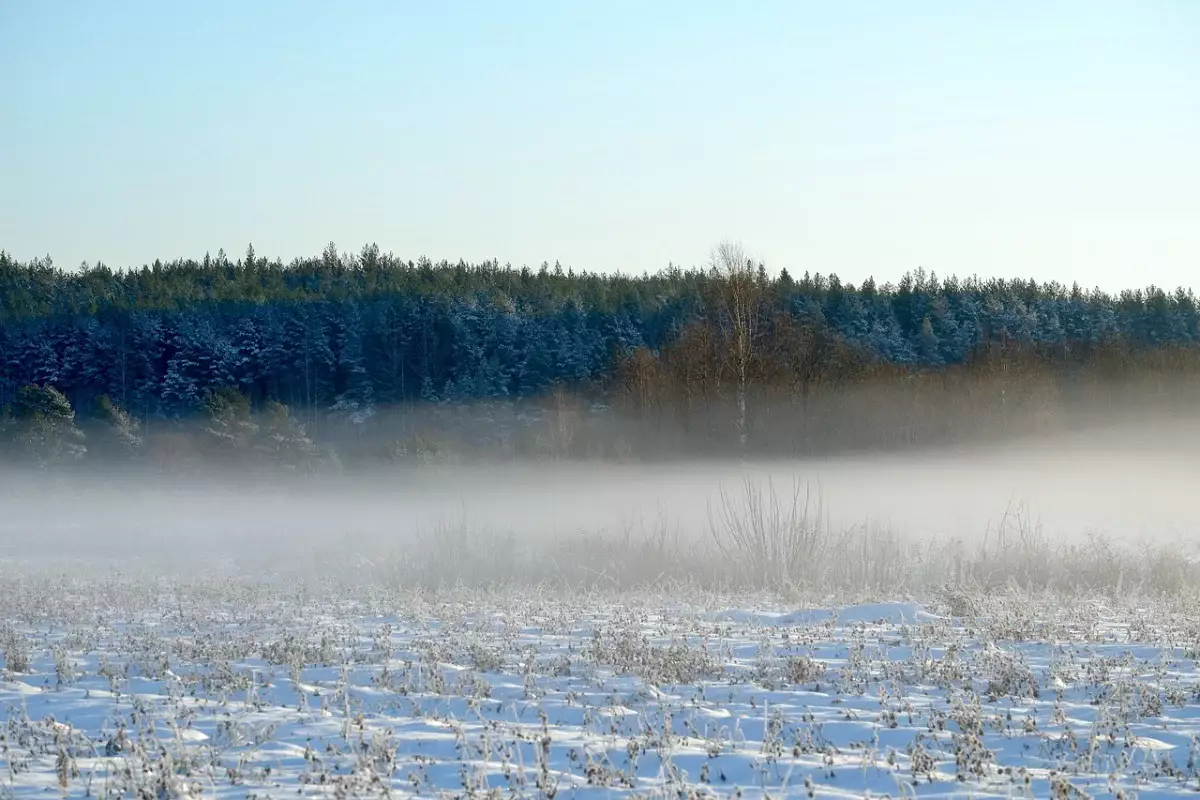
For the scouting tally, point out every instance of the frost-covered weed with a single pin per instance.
(15, 650)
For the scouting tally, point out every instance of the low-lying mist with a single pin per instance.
(1134, 484)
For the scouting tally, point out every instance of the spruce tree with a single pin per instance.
(283, 442)
(227, 423)
(43, 426)
(113, 434)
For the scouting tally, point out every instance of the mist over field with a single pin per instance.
(1133, 482)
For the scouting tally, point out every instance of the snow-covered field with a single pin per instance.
(121, 686)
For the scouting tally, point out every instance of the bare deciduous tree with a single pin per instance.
(742, 297)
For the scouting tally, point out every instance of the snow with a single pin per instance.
(530, 694)
(895, 613)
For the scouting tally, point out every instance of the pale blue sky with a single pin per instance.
(1059, 140)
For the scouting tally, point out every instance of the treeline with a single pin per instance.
(371, 355)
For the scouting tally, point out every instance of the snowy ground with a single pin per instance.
(254, 691)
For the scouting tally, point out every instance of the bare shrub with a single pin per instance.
(771, 541)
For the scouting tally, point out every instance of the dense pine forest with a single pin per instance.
(345, 359)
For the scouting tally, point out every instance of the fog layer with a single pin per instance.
(1133, 483)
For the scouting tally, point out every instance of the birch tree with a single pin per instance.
(741, 297)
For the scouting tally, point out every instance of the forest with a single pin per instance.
(345, 359)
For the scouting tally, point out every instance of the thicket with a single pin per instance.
(365, 356)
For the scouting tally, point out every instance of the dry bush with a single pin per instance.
(768, 540)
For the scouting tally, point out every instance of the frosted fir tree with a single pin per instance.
(180, 391)
(246, 352)
(282, 440)
(228, 424)
(113, 433)
(43, 426)
(354, 398)
(928, 343)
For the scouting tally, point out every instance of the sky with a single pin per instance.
(1058, 141)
